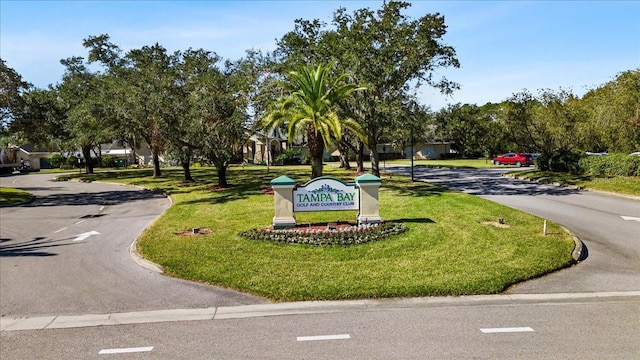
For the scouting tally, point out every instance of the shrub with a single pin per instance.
(57, 160)
(288, 157)
(564, 161)
(610, 165)
(108, 161)
(341, 237)
(71, 160)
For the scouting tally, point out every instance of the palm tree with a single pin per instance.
(309, 110)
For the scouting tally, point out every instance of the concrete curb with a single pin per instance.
(577, 253)
(303, 308)
(133, 249)
(141, 261)
(31, 199)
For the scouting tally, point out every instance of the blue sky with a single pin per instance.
(503, 46)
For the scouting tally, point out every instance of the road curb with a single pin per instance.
(31, 199)
(578, 252)
(222, 313)
(133, 249)
(141, 261)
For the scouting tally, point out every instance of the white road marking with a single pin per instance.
(83, 236)
(80, 222)
(324, 337)
(101, 208)
(630, 218)
(125, 350)
(506, 330)
(60, 230)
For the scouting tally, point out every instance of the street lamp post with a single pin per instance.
(412, 154)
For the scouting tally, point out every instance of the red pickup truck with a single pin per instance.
(517, 159)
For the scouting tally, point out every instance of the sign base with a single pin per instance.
(284, 223)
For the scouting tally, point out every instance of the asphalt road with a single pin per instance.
(478, 328)
(612, 244)
(67, 252)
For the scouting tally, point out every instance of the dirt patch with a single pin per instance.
(194, 232)
(496, 224)
(268, 191)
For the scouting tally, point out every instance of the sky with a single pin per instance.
(504, 47)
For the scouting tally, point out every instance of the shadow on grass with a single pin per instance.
(33, 247)
(412, 220)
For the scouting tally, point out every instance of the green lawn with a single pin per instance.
(619, 184)
(10, 196)
(447, 250)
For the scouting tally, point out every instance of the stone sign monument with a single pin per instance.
(325, 194)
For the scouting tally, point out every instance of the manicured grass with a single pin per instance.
(446, 251)
(619, 184)
(10, 196)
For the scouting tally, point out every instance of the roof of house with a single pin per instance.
(35, 149)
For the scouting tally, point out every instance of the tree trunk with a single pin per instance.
(187, 170)
(156, 163)
(375, 163)
(344, 156)
(88, 163)
(375, 157)
(222, 176)
(360, 157)
(316, 151)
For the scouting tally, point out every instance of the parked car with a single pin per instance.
(517, 159)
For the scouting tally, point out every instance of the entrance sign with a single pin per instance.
(325, 194)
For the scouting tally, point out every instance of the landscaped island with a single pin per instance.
(453, 245)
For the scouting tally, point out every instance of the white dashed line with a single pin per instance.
(60, 230)
(125, 350)
(506, 330)
(101, 208)
(324, 337)
(80, 222)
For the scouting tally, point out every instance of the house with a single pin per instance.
(40, 158)
(139, 155)
(428, 150)
(263, 147)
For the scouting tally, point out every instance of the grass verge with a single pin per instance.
(617, 184)
(450, 248)
(11, 196)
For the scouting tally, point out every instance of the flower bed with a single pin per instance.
(325, 236)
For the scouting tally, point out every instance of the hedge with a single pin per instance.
(610, 165)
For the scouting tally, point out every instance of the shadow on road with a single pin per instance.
(483, 182)
(33, 247)
(99, 198)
